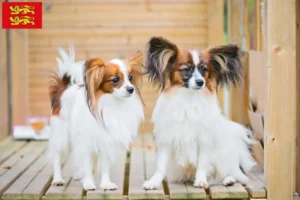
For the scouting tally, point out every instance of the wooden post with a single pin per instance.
(216, 30)
(297, 163)
(257, 25)
(19, 62)
(239, 34)
(280, 126)
(4, 104)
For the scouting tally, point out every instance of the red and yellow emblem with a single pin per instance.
(22, 15)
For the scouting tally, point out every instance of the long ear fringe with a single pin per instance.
(227, 65)
(93, 75)
(161, 56)
(136, 63)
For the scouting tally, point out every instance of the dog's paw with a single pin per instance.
(108, 186)
(58, 182)
(229, 180)
(151, 185)
(89, 186)
(201, 184)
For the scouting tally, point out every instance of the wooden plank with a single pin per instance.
(11, 149)
(14, 159)
(280, 130)
(237, 191)
(218, 192)
(177, 190)
(74, 190)
(5, 141)
(256, 188)
(195, 193)
(57, 8)
(39, 185)
(141, 161)
(216, 31)
(106, 32)
(7, 179)
(15, 191)
(297, 165)
(4, 102)
(55, 192)
(257, 25)
(117, 176)
(150, 166)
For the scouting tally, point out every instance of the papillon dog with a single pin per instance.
(95, 109)
(192, 135)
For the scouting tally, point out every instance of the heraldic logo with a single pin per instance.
(21, 15)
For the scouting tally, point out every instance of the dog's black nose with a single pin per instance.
(199, 82)
(130, 90)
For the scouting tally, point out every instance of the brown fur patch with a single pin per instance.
(135, 64)
(56, 88)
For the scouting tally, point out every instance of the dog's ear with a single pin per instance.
(162, 55)
(226, 65)
(136, 64)
(93, 76)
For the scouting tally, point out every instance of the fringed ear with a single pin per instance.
(162, 55)
(226, 65)
(136, 65)
(93, 76)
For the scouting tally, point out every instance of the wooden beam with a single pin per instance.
(298, 97)
(238, 33)
(19, 62)
(4, 103)
(216, 30)
(258, 25)
(280, 129)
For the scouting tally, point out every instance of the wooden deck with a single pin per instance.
(26, 174)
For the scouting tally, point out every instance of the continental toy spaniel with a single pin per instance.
(100, 116)
(192, 135)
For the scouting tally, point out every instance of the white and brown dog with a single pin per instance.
(99, 113)
(189, 128)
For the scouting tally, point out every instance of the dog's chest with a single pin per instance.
(180, 121)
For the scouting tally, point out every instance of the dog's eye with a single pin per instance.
(204, 68)
(130, 77)
(186, 69)
(115, 80)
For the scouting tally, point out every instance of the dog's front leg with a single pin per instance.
(163, 155)
(88, 180)
(106, 183)
(204, 168)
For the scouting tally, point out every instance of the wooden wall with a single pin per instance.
(111, 29)
(4, 119)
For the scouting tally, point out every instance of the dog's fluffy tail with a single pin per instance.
(67, 66)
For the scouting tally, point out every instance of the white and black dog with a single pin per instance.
(189, 128)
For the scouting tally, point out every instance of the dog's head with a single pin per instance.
(217, 66)
(121, 78)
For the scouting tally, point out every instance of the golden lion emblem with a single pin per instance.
(21, 20)
(15, 10)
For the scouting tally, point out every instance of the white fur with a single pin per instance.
(108, 137)
(196, 76)
(68, 66)
(191, 133)
(195, 56)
